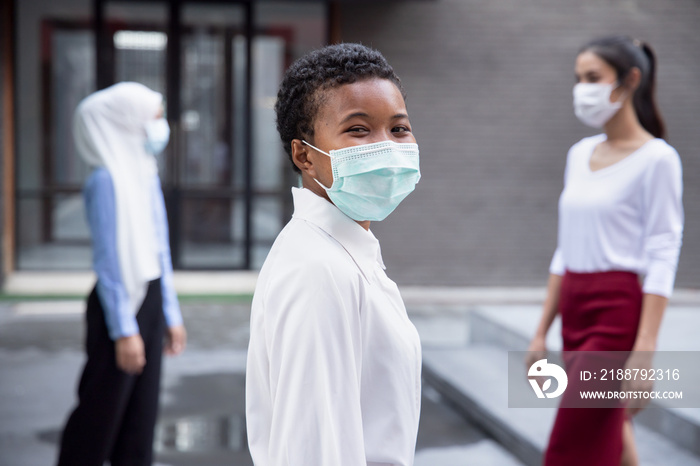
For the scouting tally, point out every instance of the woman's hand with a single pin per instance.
(536, 351)
(538, 345)
(638, 362)
(130, 354)
(175, 340)
(653, 308)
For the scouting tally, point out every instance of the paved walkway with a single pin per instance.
(202, 407)
(201, 420)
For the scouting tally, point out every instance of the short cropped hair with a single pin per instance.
(302, 90)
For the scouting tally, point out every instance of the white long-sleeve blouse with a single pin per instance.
(334, 364)
(627, 216)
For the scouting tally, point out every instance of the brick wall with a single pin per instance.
(489, 95)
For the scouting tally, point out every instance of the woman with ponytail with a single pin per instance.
(620, 219)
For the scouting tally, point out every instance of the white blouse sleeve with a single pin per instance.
(557, 266)
(313, 338)
(663, 223)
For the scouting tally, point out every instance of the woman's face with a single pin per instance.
(363, 112)
(590, 68)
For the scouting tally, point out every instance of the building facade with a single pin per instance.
(218, 64)
(489, 95)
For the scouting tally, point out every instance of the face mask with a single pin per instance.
(370, 180)
(592, 103)
(157, 135)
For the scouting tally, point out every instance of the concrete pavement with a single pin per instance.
(201, 421)
(202, 406)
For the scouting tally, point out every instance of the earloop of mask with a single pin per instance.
(324, 153)
(316, 148)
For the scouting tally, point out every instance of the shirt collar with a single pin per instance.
(361, 244)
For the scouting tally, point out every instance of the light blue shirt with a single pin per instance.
(101, 215)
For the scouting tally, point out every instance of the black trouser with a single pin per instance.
(116, 413)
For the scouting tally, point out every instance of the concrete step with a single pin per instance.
(511, 328)
(475, 380)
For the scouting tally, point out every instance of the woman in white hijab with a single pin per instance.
(118, 131)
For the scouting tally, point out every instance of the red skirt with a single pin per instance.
(599, 312)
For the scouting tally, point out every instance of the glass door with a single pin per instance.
(232, 179)
(196, 54)
(213, 141)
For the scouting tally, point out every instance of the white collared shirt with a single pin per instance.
(627, 216)
(334, 364)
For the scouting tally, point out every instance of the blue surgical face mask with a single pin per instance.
(371, 180)
(157, 135)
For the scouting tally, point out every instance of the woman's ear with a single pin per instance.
(300, 157)
(633, 79)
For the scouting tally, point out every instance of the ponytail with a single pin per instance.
(645, 99)
(623, 53)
